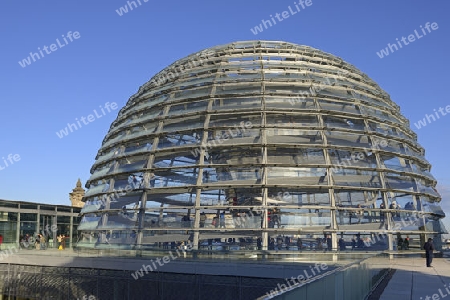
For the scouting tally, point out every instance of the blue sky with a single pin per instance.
(113, 55)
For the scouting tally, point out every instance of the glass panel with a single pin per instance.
(124, 183)
(10, 204)
(213, 240)
(101, 171)
(338, 106)
(177, 140)
(135, 147)
(238, 76)
(370, 100)
(372, 112)
(167, 239)
(169, 218)
(193, 81)
(8, 230)
(277, 88)
(125, 219)
(293, 136)
(28, 206)
(132, 164)
(130, 200)
(66, 209)
(350, 198)
(166, 160)
(248, 65)
(324, 89)
(245, 219)
(354, 177)
(175, 177)
(427, 187)
(89, 223)
(141, 132)
(93, 190)
(29, 228)
(395, 163)
(295, 218)
(8, 216)
(243, 196)
(245, 134)
(297, 176)
(345, 158)
(188, 107)
(381, 128)
(399, 182)
(159, 200)
(283, 120)
(150, 126)
(295, 156)
(148, 114)
(93, 204)
(222, 175)
(299, 102)
(115, 138)
(236, 122)
(347, 139)
(107, 154)
(407, 221)
(236, 156)
(236, 103)
(110, 238)
(415, 152)
(215, 197)
(293, 196)
(343, 122)
(359, 215)
(193, 93)
(239, 89)
(402, 201)
(173, 125)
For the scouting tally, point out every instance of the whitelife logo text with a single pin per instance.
(107, 108)
(49, 49)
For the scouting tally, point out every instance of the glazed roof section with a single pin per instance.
(265, 55)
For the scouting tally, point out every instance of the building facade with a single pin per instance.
(260, 145)
(19, 219)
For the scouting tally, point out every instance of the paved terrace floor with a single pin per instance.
(414, 281)
(280, 268)
(411, 281)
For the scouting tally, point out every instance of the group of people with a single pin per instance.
(282, 243)
(403, 244)
(61, 242)
(357, 242)
(40, 241)
(219, 220)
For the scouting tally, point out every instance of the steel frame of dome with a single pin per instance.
(262, 138)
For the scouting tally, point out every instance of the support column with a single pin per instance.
(38, 223)
(391, 244)
(334, 244)
(71, 229)
(197, 218)
(54, 232)
(18, 229)
(141, 218)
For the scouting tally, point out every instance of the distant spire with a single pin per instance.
(77, 194)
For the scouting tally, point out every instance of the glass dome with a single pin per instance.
(242, 145)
